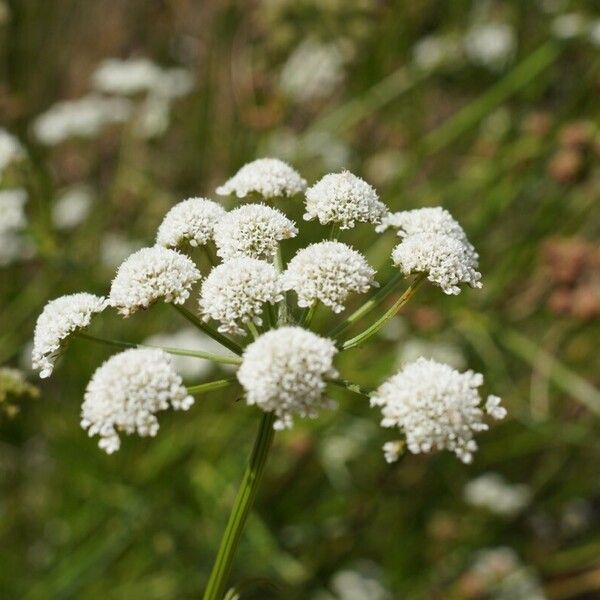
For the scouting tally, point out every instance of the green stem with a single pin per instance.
(351, 387)
(333, 232)
(210, 386)
(244, 500)
(308, 315)
(282, 313)
(218, 358)
(369, 305)
(215, 335)
(362, 337)
(252, 329)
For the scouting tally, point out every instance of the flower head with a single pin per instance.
(329, 272)
(11, 149)
(192, 221)
(493, 492)
(12, 209)
(268, 177)
(284, 371)
(126, 77)
(343, 199)
(446, 261)
(435, 406)
(150, 274)
(127, 391)
(252, 230)
(58, 321)
(491, 45)
(235, 292)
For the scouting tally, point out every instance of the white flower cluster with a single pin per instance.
(343, 199)
(58, 321)
(252, 230)
(82, 118)
(235, 292)
(434, 51)
(72, 207)
(284, 371)
(192, 221)
(269, 177)
(127, 391)
(12, 209)
(491, 45)
(328, 272)
(436, 407)
(150, 274)
(492, 492)
(11, 149)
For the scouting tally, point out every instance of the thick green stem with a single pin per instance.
(362, 337)
(218, 358)
(210, 386)
(219, 337)
(244, 500)
(369, 305)
(308, 315)
(282, 311)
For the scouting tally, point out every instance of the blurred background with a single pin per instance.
(487, 108)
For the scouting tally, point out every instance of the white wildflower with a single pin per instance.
(191, 221)
(126, 77)
(491, 45)
(595, 32)
(446, 261)
(153, 117)
(116, 247)
(329, 272)
(568, 26)
(493, 407)
(435, 406)
(83, 118)
(127, 391)
(312, 71)
(11, 149)
(150, 274)
(235, 292)
(14, 247)
(267, 177)
(252, 230)
(434, 51)
(284, 371)
(492, 492)
(60, 319)
(72, 207)
(343, 199)
(12, 210)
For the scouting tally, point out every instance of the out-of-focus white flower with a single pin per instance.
(153, 117)
(58, 321)
(284, 371)
(72, 207)
(235, 292)
(434, 51)
(595, 32)
(328, 272)
(343, 199)
(568, 26)
(446, 261)
(127, 391)
(359, 583)
(491, 45)
(413, 348)
(12, 210)
(82, 118)
(126, 77)
(14, 247)
(191, 221)
(492, 492)
(267, 177)
(149, 275)
(253, 230)
(312, 71)
(190, 367)
(435, 406)
(116, 247)
(11, 149)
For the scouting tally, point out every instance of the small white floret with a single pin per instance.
(127, 391)
(343, 199)
(492, 492)
(446, 261)
(328, 272)
(151, 274)
(60, 319)
(267, 177)
(12, 209)
(435, 406)
(285, 370)
(253, 230)
(11, 149)
(235, 292)
(191, 221)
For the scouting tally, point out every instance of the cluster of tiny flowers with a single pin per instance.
(284, 371)
(491, 45)
(343, 199)
(72, 207)
(492, 492)
(127, 391)
(253, 230)
(11, 149)
(328, 272)
(235, 292)
(149, 275)
(192, 221)
(12, 209)
(59, 320)
(267, 177)
(436, 407)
